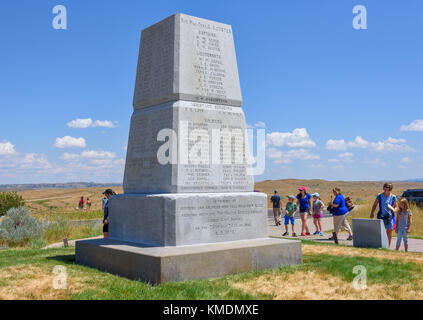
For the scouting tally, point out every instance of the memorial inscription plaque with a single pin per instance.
(188, 209)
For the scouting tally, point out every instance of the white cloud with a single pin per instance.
(80, 123)
(346, 155)
(98, 154)
(406, 160)
(336, 145)
(6, 148)
(88, 154)
(103, 123)
(85, 123)
(70, 142)
(69, 156)
(376, 161)
(416, 125)
(260, 124)
(297, 138)
(35, 161)
(343, 157)
(284, 157)
(388, 145)
(339, 167)
(22, 163)
(317, 166)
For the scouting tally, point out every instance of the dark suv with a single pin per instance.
(414, 195)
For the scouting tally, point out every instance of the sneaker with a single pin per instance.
(350, 238)
(316, 233)
(285, 234)
(294, 234)
(321, 234)
(303, 234)
(308, 234)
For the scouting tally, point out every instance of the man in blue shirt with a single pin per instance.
(107, 194)
(277, 204)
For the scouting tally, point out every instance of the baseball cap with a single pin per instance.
(291, 197)
(276, 190)
(316, 194)
(108, 191)
(302, 188)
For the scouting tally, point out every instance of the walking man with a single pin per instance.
(277, 204)
(107, 195)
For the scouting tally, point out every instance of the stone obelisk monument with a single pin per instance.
(188, 210)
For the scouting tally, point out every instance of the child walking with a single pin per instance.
(403, 224)
(290, 209)
(317, 208)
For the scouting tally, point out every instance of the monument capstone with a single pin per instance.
(188, 209)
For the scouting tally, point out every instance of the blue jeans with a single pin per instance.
(402, 233)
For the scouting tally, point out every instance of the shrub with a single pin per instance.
(18, 228)
(10, 200)
(57, 230)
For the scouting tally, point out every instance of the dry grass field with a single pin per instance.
(62, 202)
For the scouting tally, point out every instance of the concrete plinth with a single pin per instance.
(165, 264)
(369, 233)
(176, 219)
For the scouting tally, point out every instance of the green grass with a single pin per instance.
(71, 215)
(102, 285)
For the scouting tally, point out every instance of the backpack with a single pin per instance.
(350, 205)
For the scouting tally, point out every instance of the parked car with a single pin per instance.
(414, 195)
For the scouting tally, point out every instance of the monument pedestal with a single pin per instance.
(164, 264)
(174, 219)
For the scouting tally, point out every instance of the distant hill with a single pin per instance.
(66, 185)
(357, 190)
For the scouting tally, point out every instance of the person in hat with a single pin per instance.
(317, 209)
(277, 203)
(304, 202)
(290, 210)
(107, 194)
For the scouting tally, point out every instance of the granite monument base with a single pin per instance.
(369, 233)
(175, 219)
(157, 265)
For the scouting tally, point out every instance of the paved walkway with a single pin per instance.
(71, 243)
(414, 245)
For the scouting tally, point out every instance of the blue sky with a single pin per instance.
(306, 74)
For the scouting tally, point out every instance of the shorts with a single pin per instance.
(106, 227)
(287, 219)
(317, 215)
(305, 210)
(389, 224)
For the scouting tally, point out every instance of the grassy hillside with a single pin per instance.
(54, 202)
